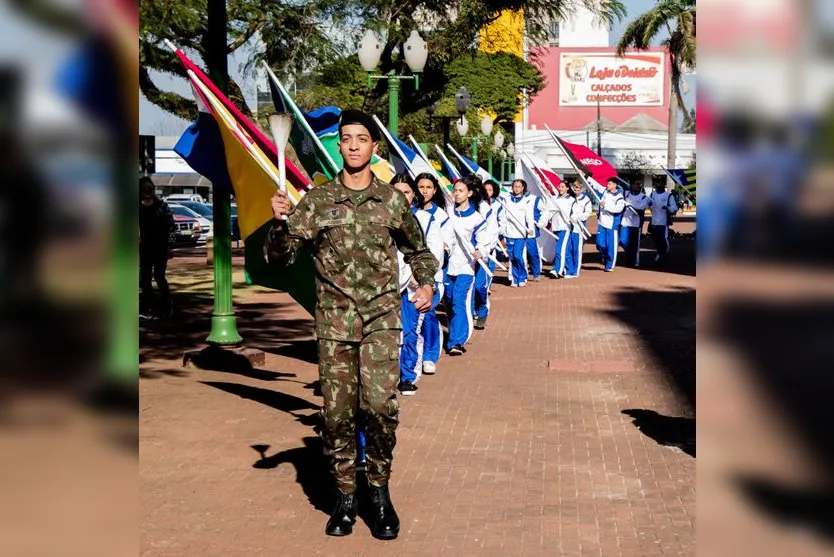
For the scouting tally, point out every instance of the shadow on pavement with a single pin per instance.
(787, 346)
(811, 508)
(665, 323)
(273, 399)
(312, 472)
(665, 430)
(303, 350)
(263, 325)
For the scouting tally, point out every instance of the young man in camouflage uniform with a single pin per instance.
(356, 224)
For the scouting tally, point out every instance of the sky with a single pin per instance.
(154, 121)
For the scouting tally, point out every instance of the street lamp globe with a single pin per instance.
(462, 99)
(499, 139)
(462, 126)
(416, 52)
(486, 125)
(370, 51)
(511, 149)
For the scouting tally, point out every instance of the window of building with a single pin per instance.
(553, 34)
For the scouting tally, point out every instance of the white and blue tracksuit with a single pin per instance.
(631, 227)
(609, 215)
(573, 253)
(519, 220)
(480, 299)
(469, 225)
(558, 212)
(532, 241)
(661, 204)
(435, 224)
(411, 351)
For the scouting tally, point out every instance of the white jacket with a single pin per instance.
(612, 206)
(558, 212)
(584, 209)
(436, 229)
(472, 226)
(490, 214)
(405, 275)
(660, 203)
(638, 203)
(519, 212)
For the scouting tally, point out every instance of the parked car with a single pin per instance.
(203, 209)
(187, 231)
(206, 211)
(176, 197)
(205, 226)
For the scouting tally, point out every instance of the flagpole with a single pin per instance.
(301, 120)
(532, 167)
(570, 160)
(419, 151)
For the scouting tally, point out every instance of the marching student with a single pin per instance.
(558, 213)
(435, 224)
(662, 204)
(631, 227)
(611, 207)
(518, 226)
(469, 225)
(532, 245)
(410, 351)
(492, 212)
(582, 211)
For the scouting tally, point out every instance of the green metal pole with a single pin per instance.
(223, 323)
(489, 164)
(475, 150)
(393, 103)
(123, 349)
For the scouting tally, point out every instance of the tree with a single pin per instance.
(689, 128)
(680, 45)
(633, 166)
(294, 36)
(299, 36)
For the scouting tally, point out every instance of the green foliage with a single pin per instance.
(303, 37)
(495, 81)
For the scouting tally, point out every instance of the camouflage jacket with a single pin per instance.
(355, 252)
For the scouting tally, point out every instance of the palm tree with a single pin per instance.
(681, 42)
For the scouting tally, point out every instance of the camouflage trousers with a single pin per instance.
(360, 375)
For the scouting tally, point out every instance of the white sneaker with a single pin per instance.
(523, 284)
(429, 368)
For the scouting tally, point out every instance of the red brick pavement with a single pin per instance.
(519, 447)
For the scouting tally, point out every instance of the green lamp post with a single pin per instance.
(416, 54)
(223, 323)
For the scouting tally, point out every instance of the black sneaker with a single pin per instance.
(407, 388)
(456, 350)
(480, 323)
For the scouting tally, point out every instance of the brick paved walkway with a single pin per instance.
(521, 447)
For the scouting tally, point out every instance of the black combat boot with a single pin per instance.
(386, 525)
(343, 517)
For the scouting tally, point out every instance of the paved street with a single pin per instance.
(527, 445)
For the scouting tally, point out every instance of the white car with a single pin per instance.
(174, 197)
(206, 226)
